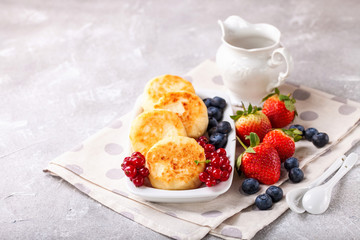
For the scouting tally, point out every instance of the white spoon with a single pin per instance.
(317, 200)
(294, 197)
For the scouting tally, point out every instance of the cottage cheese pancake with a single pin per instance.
(190, 108)
(171, 163)
(159, 86)
(150, 127)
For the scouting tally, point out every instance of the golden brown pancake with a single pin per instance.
(171, 163)
(190, 108)
(159, 86)
(150, 127)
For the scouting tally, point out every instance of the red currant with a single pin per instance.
(210, 182)
(221, 152)
(216, 173)
(209, 169)
(203, 139)
(137, 154)
(202, 144)
(144, 171)
(130, 171)
(138, 162)
(215, 161)
(203, 176)
(228, 168)
(209, 148)
(138, 181)
(208, 155)
(224, 176)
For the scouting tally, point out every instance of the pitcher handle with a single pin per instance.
(273, 62)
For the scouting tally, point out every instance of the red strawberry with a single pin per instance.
(259, 161)
(283, 141)
(251, 120)
(280, 109)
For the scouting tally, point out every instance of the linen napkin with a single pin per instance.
(94, 168)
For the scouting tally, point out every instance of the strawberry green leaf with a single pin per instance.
(250, 150)
(250, 108)
(297, 138)
(254, 139)
(238, 161)
(267, 97)
(277, 91)
(283, 98)
(239, 112)
(235, 117)
(289, 105)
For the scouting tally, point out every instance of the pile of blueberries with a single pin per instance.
(264, 201)
(319, 139)
(217, 130)
(296, 175)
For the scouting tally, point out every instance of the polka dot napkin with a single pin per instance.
(93, 167)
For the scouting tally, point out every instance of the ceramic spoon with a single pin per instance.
(317, 200)
(294, 197)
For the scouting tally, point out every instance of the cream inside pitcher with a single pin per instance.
(251, 59)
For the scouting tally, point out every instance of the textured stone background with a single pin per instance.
(68, 68)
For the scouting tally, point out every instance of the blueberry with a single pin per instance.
(218, 102)
(296, 175)
(320, 139)
(212, 130)
(215, 113)
(250, 186)
(223, 127)
(207, 102)
(291, 163)
(310, 132)
(212, 123)
(219, 140)
(275, 193)
(298, 127)
(263, 201)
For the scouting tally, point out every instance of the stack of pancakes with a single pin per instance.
(173, 116)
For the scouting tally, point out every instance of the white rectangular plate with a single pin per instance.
(202, 193)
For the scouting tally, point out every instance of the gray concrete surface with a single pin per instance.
(67, 68)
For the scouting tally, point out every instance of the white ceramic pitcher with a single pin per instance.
(251, 59)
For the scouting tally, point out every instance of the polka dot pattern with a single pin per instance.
(113, 149)
(346, 109)
(128, 215)
(300, 94)
(115, 173)
(218, 80)
(308, 116)
(231, 232)
(82, 188)
(116, 124)
(75, 168)
(77, 148)
(189, 78)
(214, 213)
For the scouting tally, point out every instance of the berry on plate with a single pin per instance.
(250, 186)
(251, 120)
(260, 161)
(291, 163)
(134, 168)
(320, 139)
(218, 102)
(212, 123)
(215, 113)
(223, 127)
(309, 133)
(283, 141)
(263, 201)
(219, 140)
(296, 175)
(275, 193)
(280, 109)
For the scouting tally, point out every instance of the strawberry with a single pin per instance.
(280, 109)
(259, 161)
(251, 120)
(283, 141)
